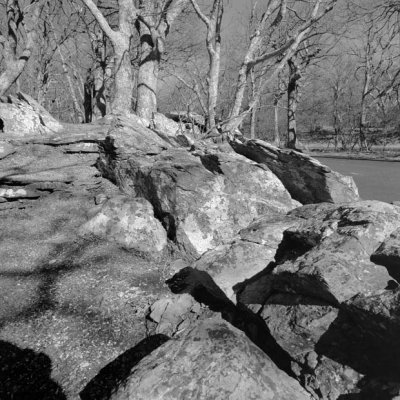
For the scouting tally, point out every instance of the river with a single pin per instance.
(376, 180)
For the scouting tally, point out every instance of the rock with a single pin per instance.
(330, 259)
(326, 303)
(250, 253)
(306, 179)
(378, 317)
(212, 360)
(130, 223)
(6, 149)
(18, 193)
(81, 148)
(24, 117)
(47, 168)
(166, 125)
(388, 254)
(187, 118)
(174, 314)
(203, 199)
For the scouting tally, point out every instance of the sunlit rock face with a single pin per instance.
(306, 179)
(202, 198)
(130, 223)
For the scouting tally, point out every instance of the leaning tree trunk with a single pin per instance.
(293, 99)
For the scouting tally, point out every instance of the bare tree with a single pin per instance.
(262, 50)
(152, 20)
(213, 42)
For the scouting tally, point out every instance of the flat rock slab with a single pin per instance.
(306, 179)
(213, 360)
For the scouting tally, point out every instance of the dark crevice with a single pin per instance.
(211, 163)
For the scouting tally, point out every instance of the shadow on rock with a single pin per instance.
(110, 377)
(373, 390)
(202, 287)
(26, 375)
(349, 343)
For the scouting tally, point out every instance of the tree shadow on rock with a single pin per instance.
(116, 372)
(201, 286)
(349, 343)
(26, 375)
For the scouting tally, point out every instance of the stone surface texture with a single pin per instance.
(388, 254)
(130, 223)
(306, 179)
(203, 199)
(327, 304)
(254, 248)
(23, 117)
(212, 360)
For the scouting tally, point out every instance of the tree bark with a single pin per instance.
(148, 74)
(293, 100)
(15, 61)
(123, 77)
(213, 44)
(277, 136)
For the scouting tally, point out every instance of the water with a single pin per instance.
(376, 180)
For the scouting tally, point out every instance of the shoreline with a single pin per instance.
(372, 156)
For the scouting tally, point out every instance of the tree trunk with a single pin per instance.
(277, 136)
(213, 79)
(123, 77)
(15, 63)
(99, 76)
(147, 75)
(293, 99)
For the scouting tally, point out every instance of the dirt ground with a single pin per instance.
(79, 300)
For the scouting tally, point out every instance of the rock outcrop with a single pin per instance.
(212, 360)
(202, 198)
(306, 179)
(326, 303)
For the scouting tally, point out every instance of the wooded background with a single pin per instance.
(275, 69)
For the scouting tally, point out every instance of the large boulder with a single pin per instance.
(130, 223)
(213, 360)
(24, 117)
(202, 198)
(306, 179)
(254, 248)
(327, 304)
